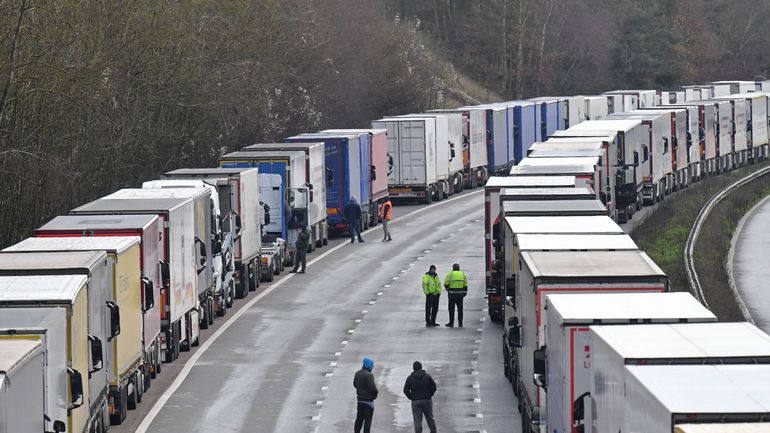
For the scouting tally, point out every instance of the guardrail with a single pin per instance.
(692, 238)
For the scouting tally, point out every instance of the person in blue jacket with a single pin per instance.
(352, 213)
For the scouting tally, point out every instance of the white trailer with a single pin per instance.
(687, 145)
(544, 273)
(474, 145)
(737, 427)
(671, 98)
(412, 147)
(679, 144)
(183, 258)
(613, 348)
(633, 99)
(54, 310)
(595, 108)
(576, 110)
(737, 86)
(101, 312)
(22, 393)
(596, 181)
(756, 122)
(552, 208)
(569, 353)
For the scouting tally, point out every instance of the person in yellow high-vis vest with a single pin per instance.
(431, 287)
(456, 284)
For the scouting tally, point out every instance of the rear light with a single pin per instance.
(162, 338)
(264, 260)
(111, 404)
(237, 274)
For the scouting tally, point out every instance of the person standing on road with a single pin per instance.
(385, 214)
(431, 287)
(419, 388)
(366, 393)
(456, 283)
(302, 244)
(352, 213)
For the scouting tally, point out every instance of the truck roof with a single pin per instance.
(129, 205)
(707, 389)
(566, 152)
(551, 193)
(15, 352)
(529, 181)
(113, 244)
(282, 146)
(53, 261)
(374, 131)
(695, 340)
(167, 192)
(213, 171)
(547, 242)
(563, 225)
(346, 134)
(585, 160)
(613, 124)
(567, 135)
(98, 222)
(635, 115)
(591, 308)
(258, 155)
(733, 427)
(557, 170)
(752, 95)
(41, 288)
(563, 207)
(573, 142)
(590, 264)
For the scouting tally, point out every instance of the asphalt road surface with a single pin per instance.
(750, 264)
(284, 360)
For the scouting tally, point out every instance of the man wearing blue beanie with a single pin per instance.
(366, 393)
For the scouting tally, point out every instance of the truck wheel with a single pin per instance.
(230, 293)
(140, 381)
(131, 401)
(270, 273)
(506, 370)
(204, 316)
(210, 304)
(222, 309)
(243, 283)
(277, 270)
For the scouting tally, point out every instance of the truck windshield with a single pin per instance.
(298, 198)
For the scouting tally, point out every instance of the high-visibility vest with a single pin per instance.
(431, 285)
(387, 207)
(456, 283)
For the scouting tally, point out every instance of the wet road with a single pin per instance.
(750, 264)
(285, 361)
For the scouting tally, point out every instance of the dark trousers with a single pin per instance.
(364, 418)
(456, 300)
(301, 259)
(420, 408)
(354, 228)
(431, 308)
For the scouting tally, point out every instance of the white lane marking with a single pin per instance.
(324, 388)
(316, 417)
(350, 331)
(358, 320)
(319, 402)
(332, 364)
(163, 399)
(379, 293)
(364, 311)
(386, 285)
(337, 353)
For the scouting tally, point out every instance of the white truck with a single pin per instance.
(679, 177)
(614, 348)
(596, 108)
(566, 374)
(101, 313)
(755, 107)
(569, 207)
(544, 273)
(22, 393)
(632, 99)
(239, 204)
(184, 258)
(54, 310)
(474, 145)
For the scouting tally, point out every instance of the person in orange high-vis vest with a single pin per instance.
(385, 213)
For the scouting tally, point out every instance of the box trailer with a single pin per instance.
(552, 208)
(723, 125)
(492, 245)
(633, 99)
(613, 348)
(737, 427)
(596, 108)
(182, 259)
(569, 353)
(543, 273)
(737, 86)
(550, 115)
(678, 153)
(54, 310)
(125, 356)
(671, 98)
(755, 107)
(101, 312)
(576, 111)
(739, 134)
(239, 204)
(22, 393)
(474, 145)
(596, 180)
(511, 128)
(704, 130)
(691, 131)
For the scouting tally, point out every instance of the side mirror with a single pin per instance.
(310, 194)
(451, 151)
(514, 335)
(329, 177)
(76, 387)
(149, 294)
(372, 172)
(579, 412)
(203, 254)
(165, 273)
(217, 247)
(97, 356)
(238, 225)
(114, 319)
(59, 426)
(538, 359)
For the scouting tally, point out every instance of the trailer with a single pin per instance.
(691, 130)
(595, 180)
(679, 144)
(378, 163)
(632, 99)
(576, 111)
(97, 267)
(550, 114)
(736, 427)
(736, 87)
(492, 234)
(544, 273)
(54, 310)
(613, 348)
(512, 127)
(596, 108)
(125, 356)
(22, 393)
(239, 204)
(756, 122)
(671, 98)
(569, 353)
(566, 207)
(183, 258)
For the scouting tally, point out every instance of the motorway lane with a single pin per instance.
(286, 364)
(750, 270)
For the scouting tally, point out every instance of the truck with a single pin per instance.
(542, 273)
(632, 99)
(474, 146)
(596, 180)
(756, 122)
(614, 348)
(568, 207)
(550, 116)
(736, 87)
(724, 125)
(511, 129)
(348, 174)
(282, 188)
(183, 260)
(491, 226)
(671, 98)
(22, 393)
(596, 108)
(679, 143)
(101, 312)
(239, 202)
(125, 356)
(704, 131)
(54, 310)
(150, 229)
(569, 353)
(692, 132)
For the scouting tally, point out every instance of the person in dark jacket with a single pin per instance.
(352, 213)
(366, 393)
(302, 244)
(419, 388)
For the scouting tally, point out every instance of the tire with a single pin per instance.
(254, 276)
(131, 401)
(210, 304)
(277, 270)
(147, 375)
(204, 321)
(324, 241)
(506, 362)
(141, 382)
(270, 273)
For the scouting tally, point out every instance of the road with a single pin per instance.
(285, 360)
(750, 267)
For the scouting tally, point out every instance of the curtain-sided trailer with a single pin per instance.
(21, 386)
